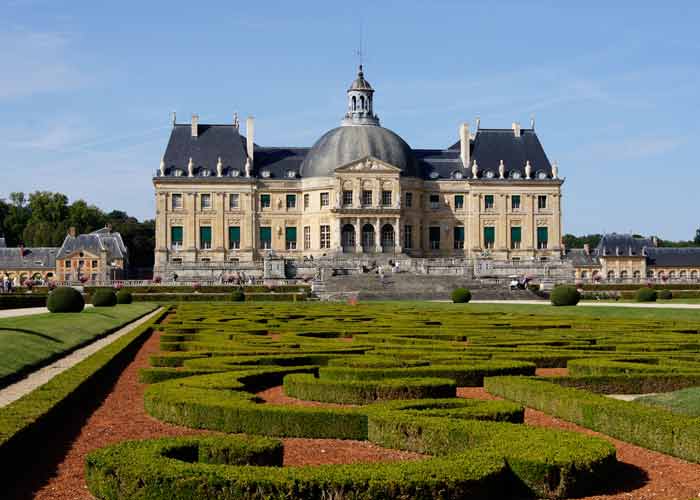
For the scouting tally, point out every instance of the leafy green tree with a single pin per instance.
(13, 223)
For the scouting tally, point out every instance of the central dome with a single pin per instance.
(346, 144)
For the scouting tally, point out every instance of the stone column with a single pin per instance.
(338, 235)
(398, 241)
(358, 235)
(377, 235)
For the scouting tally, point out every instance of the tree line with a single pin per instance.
(573, 241)
(42, 219)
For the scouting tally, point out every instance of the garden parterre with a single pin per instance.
(397, 376)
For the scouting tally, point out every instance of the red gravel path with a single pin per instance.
(552, 372)
(643, 474)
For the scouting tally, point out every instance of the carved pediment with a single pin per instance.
(368, 164)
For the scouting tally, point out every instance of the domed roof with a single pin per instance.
(360, 83)
(346, 144)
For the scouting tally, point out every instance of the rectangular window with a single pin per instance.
(434, 201)
(409, 200)
(434, 237)
(81, 263)
(306, 202)
(542, 237)
(515, 236)
(205, 200)
(459, 201)
(347, 198)
(386, 198)
(265, 237)
(542, 202)
(366, 198)
(515, 202)
(408, 237)
(68, 264)
(325, 236)
(290, 238)
(489, 236)
(459, 237)
(291, 201)
(488, 202)
(205, 237)
(307, 237)
(265, 201)
(94, 263)
(325, 200)
(176, 236)
(234, 237)
(234, 200)
(176, 201)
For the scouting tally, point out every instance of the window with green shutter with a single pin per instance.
(176, 236)
(489, 236)
(515, 236)
(459, 237)
(488, 202)
(205, 237)
(290, 238)
(542, 237)
(265, 201)
(234, 237)
(515, 202)
(459, 201)
(265, 237)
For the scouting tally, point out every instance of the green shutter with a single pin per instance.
(265, 234)
(176, 234)
(515, 201)
(542, 235)
(488, 200)
(234, 233)
(205, 234)
(459, 233)
(290, 234)
(515, 234)
(489, 234)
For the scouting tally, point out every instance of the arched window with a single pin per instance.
(362, 102)
(584, 275)
(693, 275)
(354, 103)
(672, 275)
(683, 275)
(611, 275)
(636, 275)
(623, 275)
(650, 274)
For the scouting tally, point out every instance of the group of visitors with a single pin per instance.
(8, 285)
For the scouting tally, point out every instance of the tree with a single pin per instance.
(572, 241)
(13, 223)
(85, 218)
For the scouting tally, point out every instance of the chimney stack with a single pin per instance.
(195, 125)
(173, 118)
(71, 231)
(250, 137)
(464, 144)
(516, 129)
(586, 249)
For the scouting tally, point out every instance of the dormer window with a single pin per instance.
(291, 174)
(490, 174)
(178, 172)
(265, 174)
(204, 172)
(515, 174)
(235, 172)
(458, 175)
(542, 175)
(434, 175)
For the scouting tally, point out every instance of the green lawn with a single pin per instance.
(685, 401)
(27, 342)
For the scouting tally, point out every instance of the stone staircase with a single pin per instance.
(407, 286)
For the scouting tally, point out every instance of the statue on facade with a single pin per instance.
(162, 167)
(190, 168)
(475, 170)
(528, 169)
(555, 170)
(247, 167)
(501, 170)
(219, 168)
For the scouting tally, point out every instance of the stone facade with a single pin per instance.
(361, 190)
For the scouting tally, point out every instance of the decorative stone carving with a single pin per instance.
(555, 170)
(219, 168)
(190, 168)
(475, 170)
(247, 167)
(162, 167)
(528, 169)
(501, 170)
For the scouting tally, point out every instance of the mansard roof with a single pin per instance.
(94, 243)
(613, 244)
(30, 257)
(674, 257)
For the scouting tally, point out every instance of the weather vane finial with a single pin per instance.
(358, 51)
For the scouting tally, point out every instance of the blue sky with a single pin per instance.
(86, 89)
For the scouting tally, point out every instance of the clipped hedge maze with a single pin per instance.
(395, 368)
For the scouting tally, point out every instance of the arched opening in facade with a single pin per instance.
(611, 275)
(354, 103)
(694, 275)
(387, 238)
(636, 275)
(347, 238)
(368, 238)
(623, 275)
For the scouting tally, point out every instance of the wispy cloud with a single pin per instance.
(36, 62)
(633, 148)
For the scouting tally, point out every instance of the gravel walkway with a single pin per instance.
(43, 375)
(26, 311)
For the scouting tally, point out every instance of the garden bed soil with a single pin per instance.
(642, 474)
(552, 372)
(276, 396)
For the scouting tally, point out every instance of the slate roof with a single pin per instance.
(613, 244)
(39, 257)
(2, 243)
(488, 148)
(580, 258)
(673, 257)
(95, 243)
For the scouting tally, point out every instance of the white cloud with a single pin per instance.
(36, 62)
